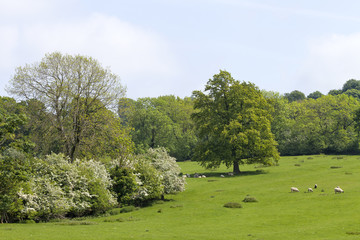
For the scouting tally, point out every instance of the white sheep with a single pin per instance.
(203, 176)
(294, 189)
(338, 190)
(310, 190)
(222, 175)
(231, 174)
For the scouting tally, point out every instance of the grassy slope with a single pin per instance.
(199, 212)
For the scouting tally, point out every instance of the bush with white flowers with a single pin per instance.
(168, 169)
(59, 188)
(157, 173)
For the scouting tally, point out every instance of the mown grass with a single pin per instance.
(199, 212)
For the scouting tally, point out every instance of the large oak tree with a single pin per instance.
(234, 123)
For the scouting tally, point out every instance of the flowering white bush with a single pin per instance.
(99, 184)
(168, 168)
(157, 173)
(148, 180)
(59, 188)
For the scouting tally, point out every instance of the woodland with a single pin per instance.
(72, 144)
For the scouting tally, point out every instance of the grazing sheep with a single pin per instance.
(310, 190)
(196, 175)
(338, 190)
(222, 175)
(315, 186)
(203, 176)
(231, 174)
(294, 189)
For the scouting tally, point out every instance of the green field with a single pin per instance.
(198, 213)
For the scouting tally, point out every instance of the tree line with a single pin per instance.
(72, 144)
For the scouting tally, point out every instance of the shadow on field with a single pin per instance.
(242, 174)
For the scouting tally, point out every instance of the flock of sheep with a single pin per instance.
(337, 189)
(292, 189)
(198, 175)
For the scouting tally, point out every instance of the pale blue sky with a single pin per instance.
(160, 47)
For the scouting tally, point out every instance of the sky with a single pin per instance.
(173, 47)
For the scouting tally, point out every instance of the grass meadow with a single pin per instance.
(199, 212)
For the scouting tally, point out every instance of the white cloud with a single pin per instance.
(9, 36)
(12, 8)
(130, 51)
(330, 63)
(112, 41)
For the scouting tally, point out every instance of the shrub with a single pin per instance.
(115, 211)
(176, 206)
(353, 233)
(59, 188)
(124, 183)
(149, 182)
(232, 205)
(250, 199)
(74, 223)
(334, 167)
(127, 209)
(168, 168)
(14, 175)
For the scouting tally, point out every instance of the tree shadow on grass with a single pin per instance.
(242, 174)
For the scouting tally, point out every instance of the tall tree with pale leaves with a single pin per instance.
(72, 88)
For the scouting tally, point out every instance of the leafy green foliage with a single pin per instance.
(234, 124)
(161, 122)
(315, 95)
(12, 120)
(124, 183)
(295, 95)
(324, 125)
(14, 173)
(149, 182)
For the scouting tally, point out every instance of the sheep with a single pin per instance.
(203, 176)
(338, 190)
(310, 190)
(315, 186)
(222, 175)
(294, 189)
(231, 174)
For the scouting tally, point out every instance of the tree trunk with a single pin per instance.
(236, 168)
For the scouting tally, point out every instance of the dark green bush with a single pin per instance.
(232, 205)
(73, 223)
(127, 209)
(124, 184)
(333, 167)
(114, 211)
(250, 199)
